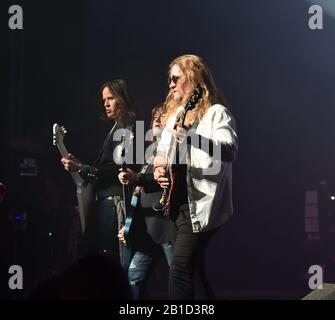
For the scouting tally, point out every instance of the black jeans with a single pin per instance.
(103, 225)
(111, 220)
(108, 228)
(187, 273)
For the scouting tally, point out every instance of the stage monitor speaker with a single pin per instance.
(326, 293)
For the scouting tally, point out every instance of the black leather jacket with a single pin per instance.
(104, 172)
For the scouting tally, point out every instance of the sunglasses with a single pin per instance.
(174, 79)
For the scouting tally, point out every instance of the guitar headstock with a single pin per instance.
(194, 98)
(58, 134)
(190, 104)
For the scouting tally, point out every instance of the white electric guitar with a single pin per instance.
(85, 190)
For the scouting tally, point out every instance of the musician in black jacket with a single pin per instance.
(103, 173)
(152, 233)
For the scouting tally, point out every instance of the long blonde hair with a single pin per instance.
(197, 72)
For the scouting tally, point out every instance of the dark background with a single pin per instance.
(278, 77)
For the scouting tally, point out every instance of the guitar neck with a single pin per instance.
(62, 149)
(75, 175)
(180, 119)
(124, 167)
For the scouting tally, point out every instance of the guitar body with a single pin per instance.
(86, 202)
(85, 191)
(129, 223)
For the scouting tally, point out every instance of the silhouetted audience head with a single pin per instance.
(94, 277)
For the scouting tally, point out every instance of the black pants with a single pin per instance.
(108, 228)
(187, 273)
(102, 230)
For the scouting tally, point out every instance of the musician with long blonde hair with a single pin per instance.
(194, 166)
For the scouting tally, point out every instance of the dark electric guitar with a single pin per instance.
(167, 200)
(85, 190)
